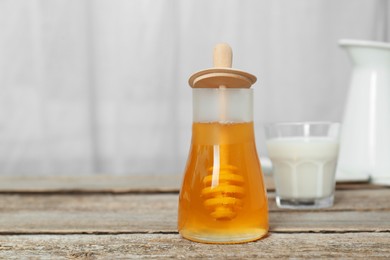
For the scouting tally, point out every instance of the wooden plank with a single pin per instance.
(96, 184)
(163, 246)
(90, 184)
(117, 184)
(352, 200)
(359, 186)
(129, 213)
(129, 222)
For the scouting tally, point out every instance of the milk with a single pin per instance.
(303, 167)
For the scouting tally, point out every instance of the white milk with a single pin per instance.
(303, 167)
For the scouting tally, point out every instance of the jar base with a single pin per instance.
(290, 203)
(208, 238)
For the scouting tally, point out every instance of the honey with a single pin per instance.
(223, 197)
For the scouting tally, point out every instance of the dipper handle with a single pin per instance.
(223, 55)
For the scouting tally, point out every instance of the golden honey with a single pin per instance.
(223, 198)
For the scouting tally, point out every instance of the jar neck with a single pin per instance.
(224, 105)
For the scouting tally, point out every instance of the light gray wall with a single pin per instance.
(101, 86)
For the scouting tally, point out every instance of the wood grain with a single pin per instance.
(96, 184)
(135, 217)
(354, 211)
(119, 184)
(352, 200)
(163, 246)
(90, 184)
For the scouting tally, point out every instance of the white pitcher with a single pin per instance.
(365, 136)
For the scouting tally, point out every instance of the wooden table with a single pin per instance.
(135, 217)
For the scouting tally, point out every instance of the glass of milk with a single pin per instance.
(304, 158)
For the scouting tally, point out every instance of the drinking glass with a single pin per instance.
(304, 157)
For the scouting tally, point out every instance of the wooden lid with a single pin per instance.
(222, 74)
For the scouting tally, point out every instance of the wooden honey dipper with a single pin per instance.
(223, 189)
(222, 74)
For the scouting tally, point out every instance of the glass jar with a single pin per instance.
(223, 196)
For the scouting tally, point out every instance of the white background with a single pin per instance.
(90, 87)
